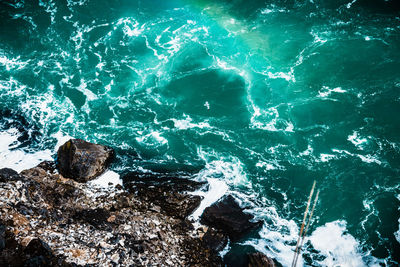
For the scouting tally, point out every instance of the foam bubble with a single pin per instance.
(187, 123)
(339, 247)
(109, 178)
(153, 138)
(326, 91)
(12, 63)
(357, 140)
(230, 168)
(269, 119)
(326, 157)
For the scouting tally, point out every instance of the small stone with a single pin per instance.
(104, 245)
(115, 258)
(111, 219)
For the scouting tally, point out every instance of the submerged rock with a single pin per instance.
(258, 259)
(228, 216)
(83, 161)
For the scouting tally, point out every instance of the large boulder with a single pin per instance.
(83, 161)
(228, 216)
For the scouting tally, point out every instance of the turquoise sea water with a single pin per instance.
(265, 96)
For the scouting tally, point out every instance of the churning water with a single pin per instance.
(258, 97)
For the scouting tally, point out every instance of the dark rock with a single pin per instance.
(47, 165)
(7, 174)
(96, 217)
(165, 191)
(175, 181)
(11, 251)
(228, 216)
(198, 256)
(38, 253)
(258, 259)
(215, 239)
(83, 161)
(2, 237)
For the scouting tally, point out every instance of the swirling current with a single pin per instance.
(257, 97)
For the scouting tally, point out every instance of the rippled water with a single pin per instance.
(263, 96)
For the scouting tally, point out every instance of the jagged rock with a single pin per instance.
(36, 253)
(258, 259)
(83, 161)
(7, 174)
(228, 216)
(167, 192)
(79, 224)
(96, 217)
(215, 239)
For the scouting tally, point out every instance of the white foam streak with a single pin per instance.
(397, 234)
(356, 140)
(187, 123)
(275, 240)
(12, 63)
(230, 168)
(339, 247)
(268, 120)
(83, 88)
(17, 159)
(107, 179)
(153, 138)
(326, 91)
(217, 189)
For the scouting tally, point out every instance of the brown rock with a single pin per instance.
(83, 161)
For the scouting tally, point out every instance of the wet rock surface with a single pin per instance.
(83, 161)
(229, 217)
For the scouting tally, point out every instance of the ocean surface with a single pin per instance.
(260, 98)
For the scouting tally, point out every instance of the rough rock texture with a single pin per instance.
(165, 191)
(73, 223)
(229, 217)
(35, 253)
(214, 239)
(7, 174)
(258, 259)
(83, 161)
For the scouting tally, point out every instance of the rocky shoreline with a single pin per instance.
(50, 216)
